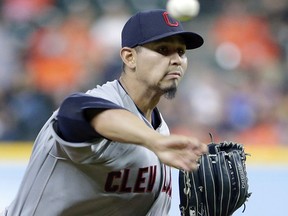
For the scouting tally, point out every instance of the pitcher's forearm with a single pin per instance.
(123, 126)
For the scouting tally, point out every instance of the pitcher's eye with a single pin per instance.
(166, 51)
(181, 51)
(163, 50)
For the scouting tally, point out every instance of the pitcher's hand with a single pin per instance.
(178, 151)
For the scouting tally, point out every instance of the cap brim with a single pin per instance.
(191, 39)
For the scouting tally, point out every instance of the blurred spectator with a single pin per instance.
(10, 58)
(62, 55)
(24, 111)
(205, 100)
(108, 30)
(50, 48)
(249, 35)
(24, 10)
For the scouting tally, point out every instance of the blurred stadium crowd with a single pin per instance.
(235, 87)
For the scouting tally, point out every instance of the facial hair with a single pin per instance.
(170, 92)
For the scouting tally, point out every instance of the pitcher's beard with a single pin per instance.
(170, 92)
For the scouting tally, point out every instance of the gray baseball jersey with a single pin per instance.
(99, 177)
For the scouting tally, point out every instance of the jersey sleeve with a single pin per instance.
(72, 124)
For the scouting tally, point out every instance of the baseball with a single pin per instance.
(183, 10)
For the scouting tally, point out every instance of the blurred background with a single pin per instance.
(235, 87)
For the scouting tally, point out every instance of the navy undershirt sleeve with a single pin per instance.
(72, 123)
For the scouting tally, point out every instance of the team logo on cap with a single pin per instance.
(167, 20)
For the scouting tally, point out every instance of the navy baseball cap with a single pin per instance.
(152, 25)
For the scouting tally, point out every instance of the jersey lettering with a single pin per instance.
(152, 178)
(109, 187)
(140, 180)
(124, 188)
(120, 181)
(167, 188)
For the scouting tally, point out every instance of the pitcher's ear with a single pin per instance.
(128, 57)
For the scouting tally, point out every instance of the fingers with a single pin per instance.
(203, 149)
(198, 147)
(180, 152)
(194, 151)
(189, 165)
